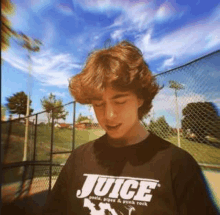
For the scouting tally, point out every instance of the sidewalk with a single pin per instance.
(213, 178)
(30, 205)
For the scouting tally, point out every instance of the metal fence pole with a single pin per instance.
(35, 138)
(6, 146)
(178, 123)
(34, 154)
(74, 115)
(51, 150)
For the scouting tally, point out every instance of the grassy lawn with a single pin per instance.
(203, 153)
(62, 141)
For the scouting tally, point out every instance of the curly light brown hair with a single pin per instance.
(122, 67)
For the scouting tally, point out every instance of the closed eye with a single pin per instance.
(98, 104)
(120, 102)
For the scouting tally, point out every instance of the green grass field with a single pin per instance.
(203, 153)
(62, 142)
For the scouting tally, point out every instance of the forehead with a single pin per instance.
(111, 93)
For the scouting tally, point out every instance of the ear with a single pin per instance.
(140, 102)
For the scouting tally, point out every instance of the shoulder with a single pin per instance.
(89, 146)
(175, 152)
(179, 158)
(82, 151)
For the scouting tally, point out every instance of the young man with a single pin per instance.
(129, 170)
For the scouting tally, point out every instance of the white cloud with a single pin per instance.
(48, 68)
(59, 94)
(142, 16)
(167, 63)
(87, 41)
(192, 39)
(135, 17)
(65, 9)
(43, 90)
(213, 38)
(49, 33)
(117, 34)
(39, 5)
(167, 11)
(166, 99)
(100, 5)
(215, 15)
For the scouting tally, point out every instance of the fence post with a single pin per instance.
(51, 150)
(35, 139)
(34, 155)
(6, 147)
(74, 115)
(178, 123)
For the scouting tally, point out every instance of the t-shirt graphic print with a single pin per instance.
(115, 195)
(151, 177)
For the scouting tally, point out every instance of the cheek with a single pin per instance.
(99, 115)
(130, 109)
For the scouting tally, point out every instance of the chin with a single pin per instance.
(116, 137)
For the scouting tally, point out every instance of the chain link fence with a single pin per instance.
(48, 147)
(186, 112)
(50, 142)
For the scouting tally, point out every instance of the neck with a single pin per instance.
(138, 134)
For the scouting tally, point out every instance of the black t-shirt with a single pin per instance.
(150, 177)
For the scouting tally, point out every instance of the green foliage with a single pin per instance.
(51, 103)
(17, 104)
(202, 119)
(160, 127)
(6, 30)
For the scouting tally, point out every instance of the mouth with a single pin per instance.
(111, 128)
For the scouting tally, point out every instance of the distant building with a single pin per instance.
(3, 116)
(63, 125)
(86, 124)
(83, 124)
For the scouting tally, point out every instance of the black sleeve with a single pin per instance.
(190, 187)
(56, 202)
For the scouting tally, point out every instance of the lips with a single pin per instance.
(113, 127)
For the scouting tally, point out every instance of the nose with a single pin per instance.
(110, 113)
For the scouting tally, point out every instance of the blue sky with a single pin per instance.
(169, 33)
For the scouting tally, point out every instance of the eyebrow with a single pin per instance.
(121, 95)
